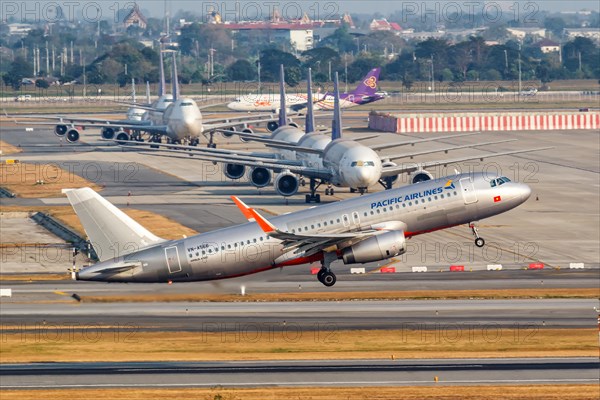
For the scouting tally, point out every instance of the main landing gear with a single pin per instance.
(325, 275)
(313, 196)
(211, 140)
(479, 242)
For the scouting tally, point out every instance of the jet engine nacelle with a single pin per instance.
(72, 135)
(376, 248)
(108, 133)
(260, 177)
(227, 134)
(60, 130)
(234, 171)
(248, 131)
(272, 126)
(420, 176)
(293, 124)
(286, 184)
(389, 180)
(122, 136)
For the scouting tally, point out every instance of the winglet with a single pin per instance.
(243, 208)
(265, 225)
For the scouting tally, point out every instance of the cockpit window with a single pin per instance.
(186, 104)
(499, 181)
(362, 164)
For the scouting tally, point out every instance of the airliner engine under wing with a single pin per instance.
(360, 230)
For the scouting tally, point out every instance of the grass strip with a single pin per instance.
(554, 293)
(288, 341)
(525, 392)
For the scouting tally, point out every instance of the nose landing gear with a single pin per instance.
(479, 242)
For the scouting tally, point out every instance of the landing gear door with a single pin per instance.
(468, 191)
(173, 262)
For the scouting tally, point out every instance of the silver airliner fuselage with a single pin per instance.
(246, 249)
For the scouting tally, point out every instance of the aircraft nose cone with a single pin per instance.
(364, 177)
(524, 192)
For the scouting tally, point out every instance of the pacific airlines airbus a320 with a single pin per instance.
(360, 230)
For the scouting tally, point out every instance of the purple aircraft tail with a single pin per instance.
(368, 84)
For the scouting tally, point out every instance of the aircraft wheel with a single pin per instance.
(479, 242)
(328, 279)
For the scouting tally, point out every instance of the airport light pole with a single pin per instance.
(520, 83)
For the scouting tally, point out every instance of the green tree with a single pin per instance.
(20, 68)
(241, 70)
(271, 59)
(556, 25)
(319, 58)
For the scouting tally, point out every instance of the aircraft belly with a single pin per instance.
(431, 218)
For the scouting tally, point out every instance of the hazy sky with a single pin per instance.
(92, 10)
(365, 6)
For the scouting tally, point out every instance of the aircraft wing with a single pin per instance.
(383, 146)
(411, 167)
(132, 144)
(445, 150)
(307, 245)
(293, 147)
(274, 165)
(79, 121)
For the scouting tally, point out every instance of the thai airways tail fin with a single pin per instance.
(161, 84)
(336, 125)
(111, 232)
(282, 106)
(309, 125)
(368, 84)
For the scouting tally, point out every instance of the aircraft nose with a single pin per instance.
(364, 177)
(524, 192)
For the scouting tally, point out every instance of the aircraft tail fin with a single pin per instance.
(147, 92)
(161, 84)
(111, 232)
(368, 84)
(282, 106)
(310, 109)
(175, 79)
(336, 126)
(133, 95)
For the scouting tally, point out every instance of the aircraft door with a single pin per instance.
(173, 261)
(468, 191)
(346, 220)
(356, 218)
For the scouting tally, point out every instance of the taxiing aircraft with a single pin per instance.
(366, 92)
(364, 229)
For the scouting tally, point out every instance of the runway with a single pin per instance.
(303, 316)
(350, 373)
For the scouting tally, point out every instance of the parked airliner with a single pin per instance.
(322, 158)
(365, 93)
(364, 229)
